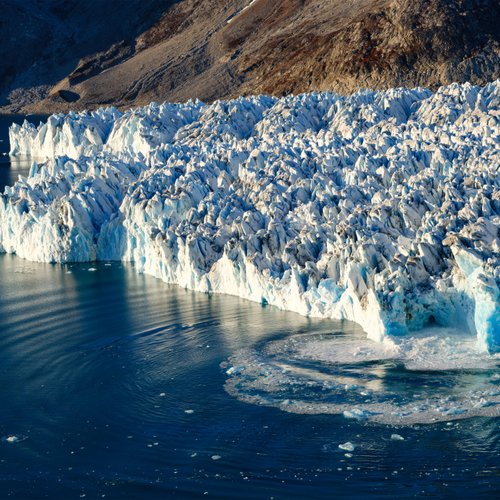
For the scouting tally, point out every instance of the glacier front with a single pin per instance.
(379, 207)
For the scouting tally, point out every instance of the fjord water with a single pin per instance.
(112, 383)
(116, 385)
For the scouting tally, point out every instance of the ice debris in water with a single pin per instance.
(397, 437)
(357, 414)
(378, 207)
(347, 446)
(13, 439)
(234, 370)
(308, 373)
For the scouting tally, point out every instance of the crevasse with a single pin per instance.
(379, 207)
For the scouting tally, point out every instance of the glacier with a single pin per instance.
(381, 207)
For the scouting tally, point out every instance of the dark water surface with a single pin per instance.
(111, 386)
(112, 383)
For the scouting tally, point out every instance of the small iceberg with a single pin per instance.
(347, 446)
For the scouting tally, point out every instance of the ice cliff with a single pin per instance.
(378, 207)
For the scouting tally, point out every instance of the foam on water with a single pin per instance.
(435, 375)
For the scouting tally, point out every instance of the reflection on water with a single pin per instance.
(112, 382)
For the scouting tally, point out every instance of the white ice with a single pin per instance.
(348, 446)
(445, 378)
(379, 207)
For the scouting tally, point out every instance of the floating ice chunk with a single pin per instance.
(397, 437)
(347, 446)
(484, 403)
(452, 411)
(234, 369)
(357, 414)
(351, 387)
(285, 374)
(189, 412)
(215, 457)
(13, 439)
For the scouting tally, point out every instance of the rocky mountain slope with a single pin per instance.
(77, 55)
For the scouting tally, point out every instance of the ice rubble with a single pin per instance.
(340, 372)
(378, 207)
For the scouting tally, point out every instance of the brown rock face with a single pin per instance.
(213, 49)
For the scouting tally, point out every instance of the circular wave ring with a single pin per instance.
(435, 376)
